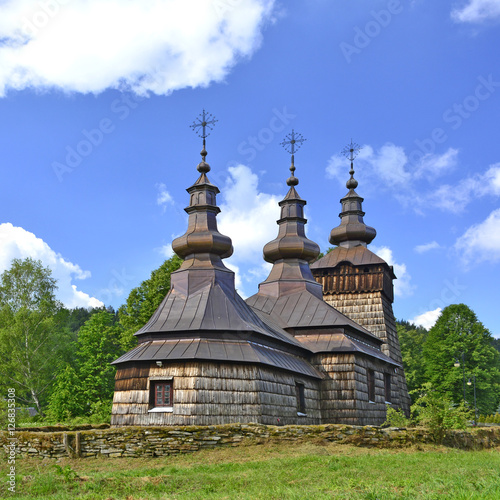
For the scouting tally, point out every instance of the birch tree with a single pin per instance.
(30, 337)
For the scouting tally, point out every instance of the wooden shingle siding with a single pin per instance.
(207, 393)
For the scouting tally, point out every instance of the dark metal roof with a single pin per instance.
(234, 351)
(338, 342)
(359, 256)
(215, 306)
(304, 310)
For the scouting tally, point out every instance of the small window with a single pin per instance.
(371, 385)
(301, 400)
(387, 387)
(163, 393)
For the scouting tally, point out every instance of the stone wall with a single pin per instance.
(163, 441)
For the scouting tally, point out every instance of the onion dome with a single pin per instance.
(202, 245)
(292, 242)
(352, 230)
(291, 252)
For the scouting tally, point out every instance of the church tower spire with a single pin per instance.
(352, 230)
(291, 252)
(202, 246)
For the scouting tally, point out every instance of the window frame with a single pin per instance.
(154, 383)
(301, 398)
(387, 387)
(167, 388)
(370, 382)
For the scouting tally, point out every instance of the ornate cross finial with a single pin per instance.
(351, 151)
(205, 120)
(292, 144)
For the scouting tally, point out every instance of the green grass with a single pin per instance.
(277, 471)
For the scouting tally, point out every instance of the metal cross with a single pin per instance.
(351, 151)
(293, 142)
(205, 120)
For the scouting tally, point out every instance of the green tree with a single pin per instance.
(31, 338)
(496, 344)
(143, 301)
(459, 336)
(411, 340)
(90, 382)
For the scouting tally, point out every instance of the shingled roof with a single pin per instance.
(359, 256)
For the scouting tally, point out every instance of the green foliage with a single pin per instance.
(143, 301)
(437, 412)
(396, 418)
(495, 343)
(67, 472)
(3, 412)
(87, 387)
(32, 340)
(458, 331)
(411, 340)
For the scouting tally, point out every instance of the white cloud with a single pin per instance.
(387, 165)
(166, 250)
(163, 197)
(455, 198)
(389, 169)
(433, 245)
(476, 11)
(432, 165)
(481, 242)
(242, 206)
(92, 45)
(489, 183)
(402, 286)
(427, 319)
(238, 284)
(17, 243)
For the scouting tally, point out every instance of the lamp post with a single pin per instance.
(475, 406)
(456, 364)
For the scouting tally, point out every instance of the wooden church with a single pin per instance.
(312, 346)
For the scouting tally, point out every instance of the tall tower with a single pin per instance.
(357, 282)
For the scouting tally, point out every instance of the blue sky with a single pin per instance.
(96, 99)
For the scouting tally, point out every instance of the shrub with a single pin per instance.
(436, 411)
(396, 418)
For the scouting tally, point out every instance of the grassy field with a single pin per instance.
(278, 471)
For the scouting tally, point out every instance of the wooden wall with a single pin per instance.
(210, 393)
(344, 392)
(373, 311)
